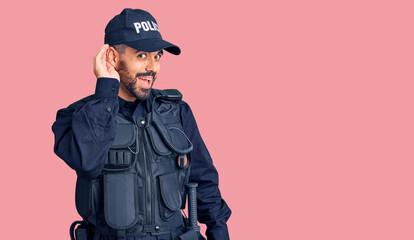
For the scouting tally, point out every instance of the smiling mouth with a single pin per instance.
(146, 81)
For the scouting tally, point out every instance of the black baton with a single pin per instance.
(192, 230)
(192, 206)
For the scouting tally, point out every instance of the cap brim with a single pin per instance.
(153, 45)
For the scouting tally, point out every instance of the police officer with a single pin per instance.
(135, 148)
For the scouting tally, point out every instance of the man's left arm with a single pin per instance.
(212, 210)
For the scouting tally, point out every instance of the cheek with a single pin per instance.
(127, 75)
(135, 67)
(157, 67)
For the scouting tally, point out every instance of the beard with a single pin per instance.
(130, 82)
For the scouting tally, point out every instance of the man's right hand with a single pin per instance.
(101, 67)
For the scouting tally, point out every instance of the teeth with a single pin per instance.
(146, 79)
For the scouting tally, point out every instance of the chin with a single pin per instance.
(142, 94)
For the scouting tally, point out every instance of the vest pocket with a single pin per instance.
(120, 158)
(83, 196)
(171, 138)
(157, 143)
(125, 135)
(120, 200)
(170, 195)
(88, 197)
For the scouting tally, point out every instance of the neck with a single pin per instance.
(124, 94)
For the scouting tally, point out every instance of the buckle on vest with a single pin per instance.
(182, 161)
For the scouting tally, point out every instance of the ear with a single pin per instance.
(113, 57)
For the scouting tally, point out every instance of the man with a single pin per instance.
(133, 146)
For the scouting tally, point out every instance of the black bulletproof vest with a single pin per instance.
(142, 186)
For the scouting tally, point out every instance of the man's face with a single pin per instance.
(138, 71)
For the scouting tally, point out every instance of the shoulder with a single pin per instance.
(184, 106)
(81, 102)
(173, 95)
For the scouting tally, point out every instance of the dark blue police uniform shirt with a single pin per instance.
(85, 130)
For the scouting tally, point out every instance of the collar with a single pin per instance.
(137, 108)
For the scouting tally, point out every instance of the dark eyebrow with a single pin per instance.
(161, 51)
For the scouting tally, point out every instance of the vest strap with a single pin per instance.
(189, 235)
(121, 234)
(81, 232)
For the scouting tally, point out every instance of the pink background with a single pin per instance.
(306, 107)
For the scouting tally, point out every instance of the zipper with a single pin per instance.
(148, 180)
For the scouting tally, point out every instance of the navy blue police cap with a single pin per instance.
(138, 29)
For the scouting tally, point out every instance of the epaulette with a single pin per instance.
(170, 94)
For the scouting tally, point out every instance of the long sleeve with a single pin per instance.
(212, 210)
(85, 130)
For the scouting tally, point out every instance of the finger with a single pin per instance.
(100, 61)
(109, 65)
(97, 52)
(101, 51)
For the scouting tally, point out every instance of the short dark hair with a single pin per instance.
(120, 48)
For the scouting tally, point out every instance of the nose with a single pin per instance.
(151, 65)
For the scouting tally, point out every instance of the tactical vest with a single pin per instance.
(142, 186)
